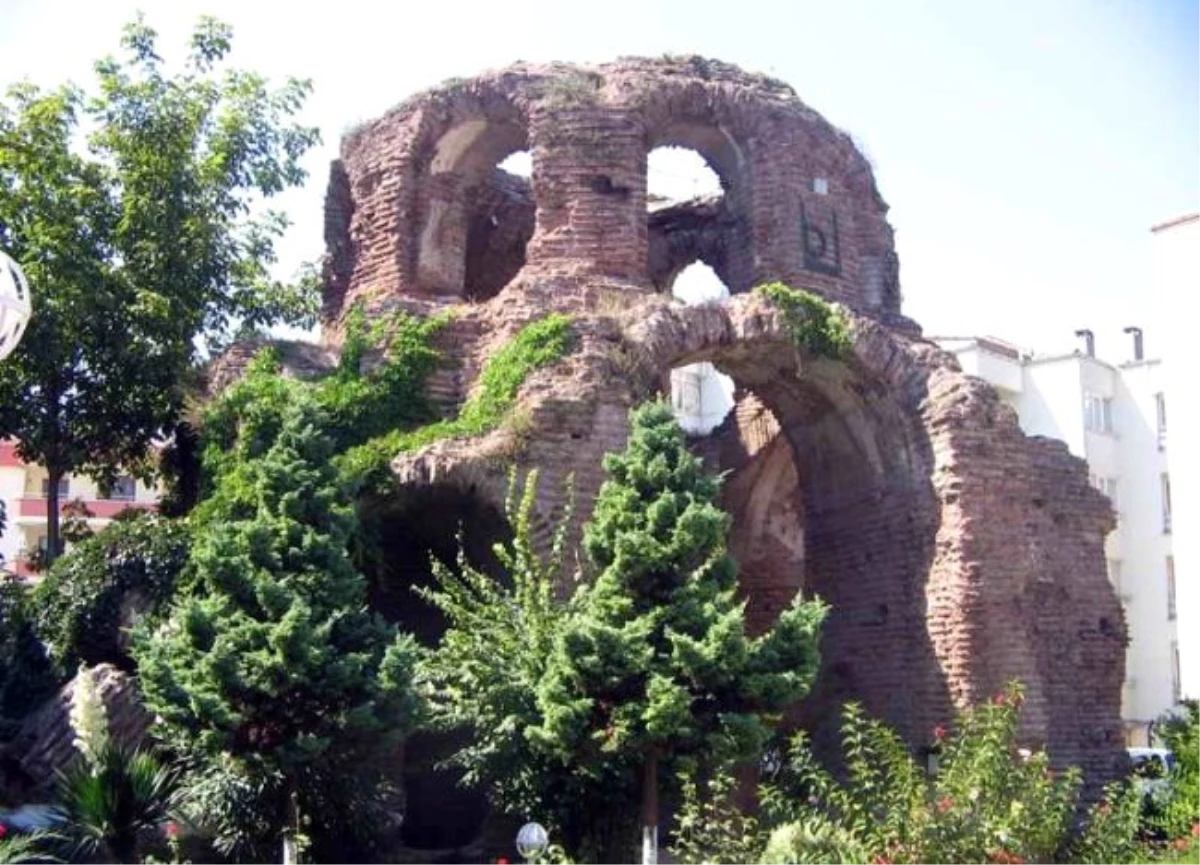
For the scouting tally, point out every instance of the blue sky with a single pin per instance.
(1025, 148)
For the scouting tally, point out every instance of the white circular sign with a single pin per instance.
(15, 305)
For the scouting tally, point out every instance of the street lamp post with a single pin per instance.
(15, 306)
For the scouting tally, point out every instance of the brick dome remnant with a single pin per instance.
(956, 553)
(416, 205)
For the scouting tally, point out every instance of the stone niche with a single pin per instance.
(955, 552)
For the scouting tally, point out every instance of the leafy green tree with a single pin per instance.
(138, 243)
(269, 669)
(655, 666)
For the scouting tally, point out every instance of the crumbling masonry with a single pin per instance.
(956, 553)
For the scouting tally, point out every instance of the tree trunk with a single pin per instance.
(291, 827)
(650, 809)
(52, 519)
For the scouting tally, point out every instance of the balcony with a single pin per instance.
(36, 507)
(25, 567)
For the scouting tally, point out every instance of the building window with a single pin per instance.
(123, 489)
(1097, 413)
(1176, 685)
(1171, 587)
(64, 488)
(1166, 502)
(1108, 486)
(1160, 412)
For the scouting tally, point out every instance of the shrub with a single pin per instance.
(26, 674)
(271, 659)
(1178, 813)
(989, 800)
(129, 568)
(709, 827)
(111, 795)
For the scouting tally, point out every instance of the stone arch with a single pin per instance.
(831, 466)
(474, 219)
(910, 476)
(717, 230)
(411, 526)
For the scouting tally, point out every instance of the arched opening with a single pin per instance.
(701, 396)
(697, 195)
(827, 479)
(478, 209)
(407, 531)
(676, 174)
(502, 223)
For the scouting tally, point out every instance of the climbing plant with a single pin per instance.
(537, 345)
(814, 325)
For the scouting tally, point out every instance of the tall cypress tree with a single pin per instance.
(270, 666)
(655, 665)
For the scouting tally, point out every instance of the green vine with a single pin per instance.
(535, 346)
(356, 405)
(815, 326)
(371, 416)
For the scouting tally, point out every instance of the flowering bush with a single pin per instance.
(989, 799)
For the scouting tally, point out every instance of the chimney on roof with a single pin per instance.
(1138, 350)
(1089, 340)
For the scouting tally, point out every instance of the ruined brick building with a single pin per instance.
(956, 553)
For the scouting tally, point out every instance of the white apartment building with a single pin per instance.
(1174, 254)
(1115, 417)
(23, 490)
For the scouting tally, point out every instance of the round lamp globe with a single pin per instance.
(15, 305)
(532, 840)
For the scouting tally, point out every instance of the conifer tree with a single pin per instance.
(269, 667)
(654, 667)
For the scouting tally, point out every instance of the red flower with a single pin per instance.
(172, 830)
(999, 700)
(1003, 857)
(3, 830)
(944, 804)
(501, 861)
(939, 733)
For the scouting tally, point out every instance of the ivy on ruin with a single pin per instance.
(373, 413)
(537, 345)
(814, 325)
